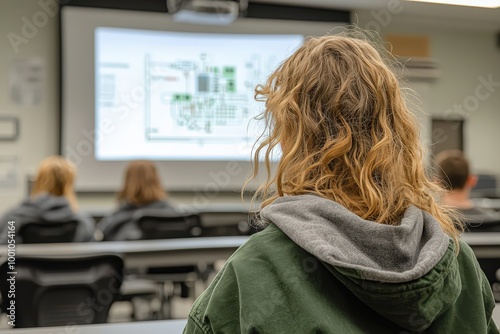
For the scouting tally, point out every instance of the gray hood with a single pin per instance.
(47, 209)
(378, 252)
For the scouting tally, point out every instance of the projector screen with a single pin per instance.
(137, 85)
(195, 92)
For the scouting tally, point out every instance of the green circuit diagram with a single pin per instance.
(199, 99)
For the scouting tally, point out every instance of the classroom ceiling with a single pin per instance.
(417, 13)
(484, 17)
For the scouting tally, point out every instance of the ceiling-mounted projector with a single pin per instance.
(210, 12)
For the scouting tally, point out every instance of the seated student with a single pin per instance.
(355, 242)
(142, 189)
(454, 174)
(52, 200)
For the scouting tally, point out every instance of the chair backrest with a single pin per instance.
(491, 269)
(64, 291)
(161, 224)
(485, 182)
(48, 232)
(487, 226)
(227, 222)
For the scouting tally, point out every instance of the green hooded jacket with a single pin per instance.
(319, 268)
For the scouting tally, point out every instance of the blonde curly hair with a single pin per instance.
(346, 133)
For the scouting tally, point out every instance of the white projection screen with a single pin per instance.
(137, 85)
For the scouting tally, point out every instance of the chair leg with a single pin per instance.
(139, 304)
(166, 293)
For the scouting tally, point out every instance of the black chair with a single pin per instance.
(47, 232)
(225, 223)
(164, 224)
(161, 224)
(490, 266)
(62, 291)
(491, 269)
(482, 227)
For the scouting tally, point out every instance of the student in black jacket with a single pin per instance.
(52, 200)
(141, 190)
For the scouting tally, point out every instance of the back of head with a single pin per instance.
(142, 184)
(452, 169)
(345, 131)
(56, 176)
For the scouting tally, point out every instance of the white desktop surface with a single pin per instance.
(146, 327)
(481, 238)
(129, 247)
(484, 244)
(141, 254)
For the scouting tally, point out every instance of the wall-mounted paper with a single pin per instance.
(9, 128)
(26, 81)
(9, 168)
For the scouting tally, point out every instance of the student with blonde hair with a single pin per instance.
(141, 189)
(52, 200)
(354, 240)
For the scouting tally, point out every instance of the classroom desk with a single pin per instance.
(147, 253)
(487, 203)
(141, 254)
(484, 245)
(149, 327)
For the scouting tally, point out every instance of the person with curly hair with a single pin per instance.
(354, 240)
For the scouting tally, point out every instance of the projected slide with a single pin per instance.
(181, 96)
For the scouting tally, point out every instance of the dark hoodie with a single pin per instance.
(120, 225)
(46, 209)
(319, 268)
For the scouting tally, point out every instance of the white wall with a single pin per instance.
(464, 55)
(38, 125)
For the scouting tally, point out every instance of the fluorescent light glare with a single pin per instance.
(471, 3)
